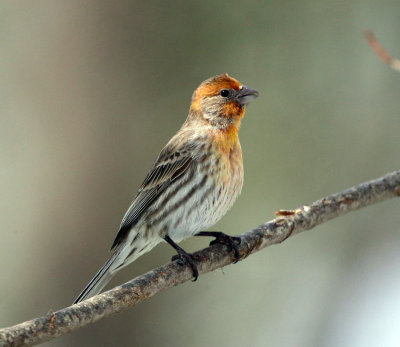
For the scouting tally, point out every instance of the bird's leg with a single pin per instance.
(220, 237)
(183, 256)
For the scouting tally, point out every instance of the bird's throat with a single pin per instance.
(227, 139)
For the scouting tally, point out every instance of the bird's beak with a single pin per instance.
(246, 94)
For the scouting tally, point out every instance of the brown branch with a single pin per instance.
(287, 223)
(394, 63)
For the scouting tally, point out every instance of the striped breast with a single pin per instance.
(199, 198)
(229, 182)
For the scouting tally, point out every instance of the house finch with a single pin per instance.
(194, 182)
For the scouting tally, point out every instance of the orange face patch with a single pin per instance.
(233, 109)
(213, 87)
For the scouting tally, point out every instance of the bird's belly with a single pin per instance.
(207, 206)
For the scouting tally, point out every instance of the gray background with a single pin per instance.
(91, 91)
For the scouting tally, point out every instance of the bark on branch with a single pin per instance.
(287, 223)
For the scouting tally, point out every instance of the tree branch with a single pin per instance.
(287, 223)
(394, 63)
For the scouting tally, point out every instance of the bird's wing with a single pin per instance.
(167, 169)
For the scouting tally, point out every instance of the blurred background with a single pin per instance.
(90, 93)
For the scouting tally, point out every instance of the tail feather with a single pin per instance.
(99, 281)
(124, 255)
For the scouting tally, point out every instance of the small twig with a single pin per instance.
(394, 63)
(143, 287)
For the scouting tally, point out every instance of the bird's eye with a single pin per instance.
(224, 93)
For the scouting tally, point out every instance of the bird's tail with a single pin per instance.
(99, 281)
(123, 255)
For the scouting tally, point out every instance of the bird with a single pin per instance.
(195, 180)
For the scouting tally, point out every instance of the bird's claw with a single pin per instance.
(186, 258)
(230, 241)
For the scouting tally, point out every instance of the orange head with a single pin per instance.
(221, 101)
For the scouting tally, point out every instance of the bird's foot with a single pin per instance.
(220, 237)
(187, 258)
(183, 257)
